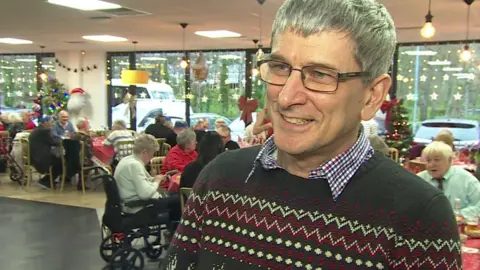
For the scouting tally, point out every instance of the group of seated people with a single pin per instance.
(46, 143)
(187, 157)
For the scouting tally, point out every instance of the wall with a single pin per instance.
(93, 81)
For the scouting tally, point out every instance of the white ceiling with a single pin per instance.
(53, 26)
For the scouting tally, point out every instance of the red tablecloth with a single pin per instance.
(102, 152)
(471, 259)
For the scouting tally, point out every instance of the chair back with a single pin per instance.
(133, 132)
(71, 152)
(25, 151)
(124, 148)
(156, 165)
(184, 195)
(161, 150)
(393, 154)
(113, 206)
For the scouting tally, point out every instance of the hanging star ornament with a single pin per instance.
(446, 77)
(457, 96)
(423, 78)
(204, 99)
(410, 96)
(434, 96)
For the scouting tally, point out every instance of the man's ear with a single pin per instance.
(375, 96)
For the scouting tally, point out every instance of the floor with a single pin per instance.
(50, 230)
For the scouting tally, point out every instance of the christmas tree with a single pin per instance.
(53, 96)
(399, 131)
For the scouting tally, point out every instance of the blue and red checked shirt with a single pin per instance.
(337, 171)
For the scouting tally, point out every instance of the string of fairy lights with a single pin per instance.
(440, 73)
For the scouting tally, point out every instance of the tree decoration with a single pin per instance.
(247, 107)
(53, 96)
(399, 131)
(387, 109)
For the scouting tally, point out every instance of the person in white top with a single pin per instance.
(133, 181)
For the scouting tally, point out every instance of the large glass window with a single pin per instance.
(216, 96)
(121, 108)
(437, 84)
(165, 92)
(18, 82)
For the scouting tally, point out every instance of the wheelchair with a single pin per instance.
(120, 229)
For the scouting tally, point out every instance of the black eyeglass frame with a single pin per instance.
(345, 76)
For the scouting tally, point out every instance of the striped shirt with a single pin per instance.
(337, 171)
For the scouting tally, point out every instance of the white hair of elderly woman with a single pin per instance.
(145, 143)
(186, 136)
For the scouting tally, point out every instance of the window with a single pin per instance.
(119, 93)
(218, 94)
(435, 83)
(18, 82)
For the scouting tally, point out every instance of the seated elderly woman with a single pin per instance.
(182, 154)
(83, 134)
(455, 182)
(27, 120)
(119, 132)
(135, 183)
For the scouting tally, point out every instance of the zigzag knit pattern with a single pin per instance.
(227, 226)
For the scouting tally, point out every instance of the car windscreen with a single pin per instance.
(461, 131)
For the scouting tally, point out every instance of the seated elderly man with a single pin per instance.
(455, 182)
(63, 127)
(182, 154)
(226, 134)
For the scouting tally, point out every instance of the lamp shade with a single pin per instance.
(135, 77)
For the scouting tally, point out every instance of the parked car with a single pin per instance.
(211, 117)
(466, 132)
(173, 111)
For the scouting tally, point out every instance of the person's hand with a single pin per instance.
(261, 116)
(160, 178)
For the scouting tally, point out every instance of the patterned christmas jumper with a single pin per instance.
(359, 210)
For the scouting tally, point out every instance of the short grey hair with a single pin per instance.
(120, 123)
(14, 118)
(366, 22)
(186, 136)
(145, 143)
(80, 122)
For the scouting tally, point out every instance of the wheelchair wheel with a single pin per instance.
(15, 176)
(127, 258)
(108, 247)
(105, 231)
(153, 249)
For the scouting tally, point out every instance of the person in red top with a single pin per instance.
(180, 155)
(27, 120)
(263, 124)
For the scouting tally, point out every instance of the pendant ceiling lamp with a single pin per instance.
(466, 54)
(428, 31)
(133, 76)
(260, 54)
(184, 62)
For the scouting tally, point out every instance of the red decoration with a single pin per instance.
(247, 107)
(77, 91)
(387, 108)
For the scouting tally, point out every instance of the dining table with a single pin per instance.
(471, 254)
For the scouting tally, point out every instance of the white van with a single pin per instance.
(152, 90)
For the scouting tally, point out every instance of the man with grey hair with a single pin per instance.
(316, 195)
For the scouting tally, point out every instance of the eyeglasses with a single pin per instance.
(315, 78)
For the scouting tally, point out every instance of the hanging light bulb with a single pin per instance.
(43, 76)
(260, 54)
(466, 54)
(254, 72)
(428, 31)
(184, 63)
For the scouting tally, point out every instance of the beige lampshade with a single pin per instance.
(135, 77)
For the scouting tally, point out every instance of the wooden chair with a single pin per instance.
(184, 194)
(27, 164)
(124, 148)
(133, 132)
(156, 165)
(393, 154)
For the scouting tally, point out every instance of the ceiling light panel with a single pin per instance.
(85, 4)
(218, 34)
(15, 41)
(105, 38)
